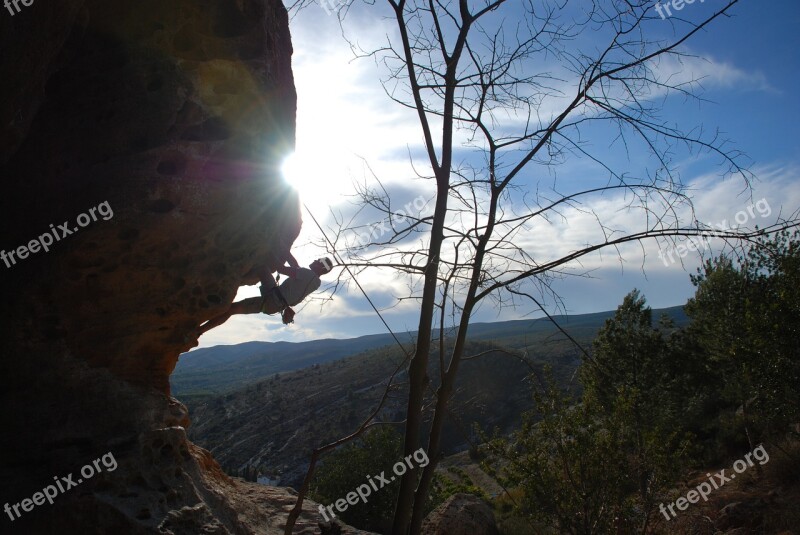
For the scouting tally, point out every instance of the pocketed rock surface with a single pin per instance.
(177, 115)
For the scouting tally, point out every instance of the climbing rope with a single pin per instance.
(346, 267)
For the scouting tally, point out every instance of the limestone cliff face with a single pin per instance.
(176, 115)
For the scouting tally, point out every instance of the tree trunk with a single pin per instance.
(418, 368)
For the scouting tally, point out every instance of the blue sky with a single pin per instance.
(748, 65)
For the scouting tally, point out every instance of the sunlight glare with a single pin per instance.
(320, 179)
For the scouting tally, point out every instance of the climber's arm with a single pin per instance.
(291, 260)
(267, 282)
(289, 271)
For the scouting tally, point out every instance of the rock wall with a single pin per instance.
(154, 129)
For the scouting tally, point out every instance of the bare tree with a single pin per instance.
(504, 93)
(366, 424)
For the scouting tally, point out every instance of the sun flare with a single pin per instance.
(316, 179)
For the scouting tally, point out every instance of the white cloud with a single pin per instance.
(710, 73)
(344, 116)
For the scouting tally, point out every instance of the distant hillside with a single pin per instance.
(270, 425)
(220, 369)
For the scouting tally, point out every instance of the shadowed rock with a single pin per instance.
(177, 114)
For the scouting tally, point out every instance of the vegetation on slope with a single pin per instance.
(660, 402)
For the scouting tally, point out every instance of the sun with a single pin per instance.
(302, 173)
(321, 177)
(338, 127)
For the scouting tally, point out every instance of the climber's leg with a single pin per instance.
(270, 303)
(214, 322)
(245, 306)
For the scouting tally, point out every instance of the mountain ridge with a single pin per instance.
(223, 368)
(247, 432)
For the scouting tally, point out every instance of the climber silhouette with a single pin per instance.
(299, 284)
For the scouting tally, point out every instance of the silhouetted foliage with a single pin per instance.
(746, 318)
(348, 467)
(659, 399)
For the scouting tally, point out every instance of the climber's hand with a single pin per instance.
(288, 316)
